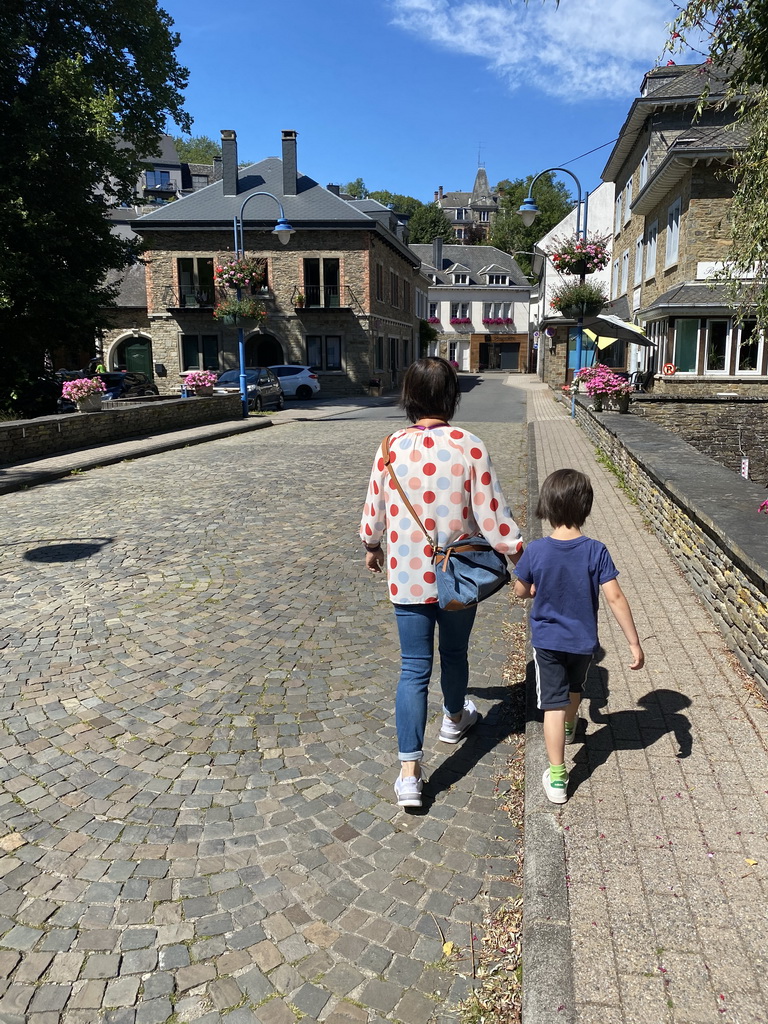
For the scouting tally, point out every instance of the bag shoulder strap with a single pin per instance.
(403, 495)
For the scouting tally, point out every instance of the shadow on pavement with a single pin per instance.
(73, 550)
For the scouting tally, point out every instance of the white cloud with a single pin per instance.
(581, 50)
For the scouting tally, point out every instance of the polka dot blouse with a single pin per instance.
(450, 481)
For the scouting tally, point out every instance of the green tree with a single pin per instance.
(196, 149)
(735, 36)
(427, 223)
(509, 233)
(400, 203)
(356, 189)
(85, 91)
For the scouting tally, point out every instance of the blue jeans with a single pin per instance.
(416, 626)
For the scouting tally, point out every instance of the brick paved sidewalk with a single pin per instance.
(197, 750)
(651, 880)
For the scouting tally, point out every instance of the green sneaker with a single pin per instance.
(556, 791)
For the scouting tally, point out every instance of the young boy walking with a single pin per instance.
(563, 573)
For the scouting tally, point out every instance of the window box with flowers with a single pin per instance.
(246, 272)
(575, 300)
(230, 310)
(433, 319)
(576, 255)
(460, 321)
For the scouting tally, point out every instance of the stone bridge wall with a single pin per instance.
(706, 516)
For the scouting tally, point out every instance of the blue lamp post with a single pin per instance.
(283, 230)
(529, 211)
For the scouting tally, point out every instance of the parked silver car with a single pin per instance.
(297, 381)
(263, 387)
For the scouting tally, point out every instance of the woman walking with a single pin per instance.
(450, 481)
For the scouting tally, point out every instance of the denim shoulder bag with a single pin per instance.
(467, 571)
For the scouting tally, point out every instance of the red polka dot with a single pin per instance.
(414, 482)
(475, 453)
(485, 478)
(429, 496)
(467, 485)
(393, 562)
(457, 470)
(393, 589)
(417, 590)
(429, 577)
(457, 433)
(429, 523)
(368, 531)
(465, 513)
(494, 505)
(429, 469)
(393, 536)
(392, 456)
(375, 487)
(429, 442)
(393, 510)
(428, 551)
(380, 465)
(504, 529)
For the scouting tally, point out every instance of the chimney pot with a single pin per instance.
(229, 161)
(290, 171)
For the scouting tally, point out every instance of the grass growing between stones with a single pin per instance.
(603, 459)
(496, 963)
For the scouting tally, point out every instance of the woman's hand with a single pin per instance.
(374, 560)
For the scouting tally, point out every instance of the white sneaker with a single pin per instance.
(557, 792)
(452, 732)
(408, 791)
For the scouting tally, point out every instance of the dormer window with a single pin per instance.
(498, 279)
(461, 214)
(461, 278)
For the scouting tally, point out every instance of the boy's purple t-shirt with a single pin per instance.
(567, 575)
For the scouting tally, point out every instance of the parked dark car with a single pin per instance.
(130, 384)
(264, 391)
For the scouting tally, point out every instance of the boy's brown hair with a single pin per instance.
(565, 498)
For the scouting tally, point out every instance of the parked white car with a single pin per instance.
(297, 381)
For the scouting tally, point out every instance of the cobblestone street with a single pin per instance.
(197, 749)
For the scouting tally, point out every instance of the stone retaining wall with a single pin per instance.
(22, 440)
(707, 518)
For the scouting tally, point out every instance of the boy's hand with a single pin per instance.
(637, 655)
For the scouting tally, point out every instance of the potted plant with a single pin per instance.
(577, 255)
(229, 309)
(299, 301)
(576, 300)
(85, 392)
(242, 272)
(600, 383)
(200, 381)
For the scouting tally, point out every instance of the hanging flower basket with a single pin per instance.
(232, 309)
(575, 300)
(246, 272)
(576, 255)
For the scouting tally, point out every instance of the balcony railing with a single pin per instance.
(313, 296)
(188, 297)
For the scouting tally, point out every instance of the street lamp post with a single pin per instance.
(529, 211)
(283, 230)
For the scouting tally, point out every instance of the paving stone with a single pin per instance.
(154, 1011)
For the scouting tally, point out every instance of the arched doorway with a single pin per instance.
(133, 354)
(263, 350)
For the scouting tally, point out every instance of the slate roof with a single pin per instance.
(692, 295)
(475, 258)
(312, 208)
(132, 292)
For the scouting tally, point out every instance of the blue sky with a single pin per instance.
(410, 94)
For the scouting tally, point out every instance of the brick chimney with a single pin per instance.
(439, 191)
(335, 189)
(229, 161)
(437, 253)
(290, 172)
(436, 195)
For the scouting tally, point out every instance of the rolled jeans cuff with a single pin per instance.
(416, 756)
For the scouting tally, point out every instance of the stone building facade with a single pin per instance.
(671, 232)
(472, 214)
(344, 295)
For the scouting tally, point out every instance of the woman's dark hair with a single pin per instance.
(430, 388)
(565, 498)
